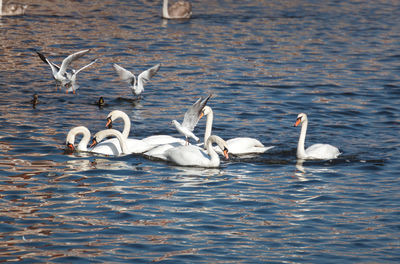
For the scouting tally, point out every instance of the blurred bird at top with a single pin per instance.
(179, 9)
(12, 9)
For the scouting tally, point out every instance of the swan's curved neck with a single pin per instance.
(82, 146)
(214, 158)
(165, 9)
(209, 123)
(127, 124)
(112, 132)
(301, 153)
(122, 142)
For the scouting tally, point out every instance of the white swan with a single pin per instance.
(137, 86)
(12, 9)
(316, 151)
(137, 145)
(236, 146)
(102, 148)
(109, 149)
(180, 9)
(191, 118)
(60, 74)
(195, 156)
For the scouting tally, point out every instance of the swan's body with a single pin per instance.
(60, 74)
(316, 151)
(179, 9)
(109, 149)
(72, 86)
(12, 9)
(137, 145)
(137, 86)
(191, 118)
(102, 148)
(236, 146)
(195, 156)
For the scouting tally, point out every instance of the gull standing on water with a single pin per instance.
(179, 9)
(60, 74)
(12, 9)
(137, 86)
(191, 118)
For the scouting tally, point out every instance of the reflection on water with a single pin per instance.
(264, 62)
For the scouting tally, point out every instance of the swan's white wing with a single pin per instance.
(145, 76)
(124, 74)
(180, 9)
(322, 151)
(156, 140)
(188, 156)
(68, 60)
(192, 115)
(244, 145)
(159, 151)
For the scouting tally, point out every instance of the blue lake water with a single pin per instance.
(264, 62)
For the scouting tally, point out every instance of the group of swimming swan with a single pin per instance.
(177, 151)
(178, 10)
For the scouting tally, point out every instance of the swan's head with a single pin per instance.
(109, 123)
(95, 141)
(117, 114)
(300, 119)
(206, 110)
(226, 153)
(70, 148)
(112, 116)
(221, 144)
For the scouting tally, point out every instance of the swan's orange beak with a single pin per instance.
(298, 120)
(94, 143)
(70, 147)
(109, 123)
(226, 154)
(201, 115)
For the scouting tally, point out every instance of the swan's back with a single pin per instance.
(322, 151)
(108, 147)
(189, 156)
(181, 9)
(243, 146)
(162, 139)
(159, 151)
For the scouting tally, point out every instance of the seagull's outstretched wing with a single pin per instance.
(68, 60)
(145, 76)
(54, 67)
(192, 115)
(124, 74)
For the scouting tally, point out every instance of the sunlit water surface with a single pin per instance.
(264, 62)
